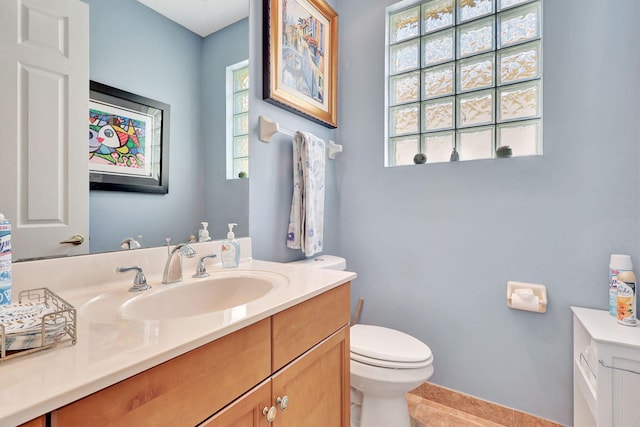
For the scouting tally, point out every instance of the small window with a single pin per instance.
(464, 80)
(238, 120)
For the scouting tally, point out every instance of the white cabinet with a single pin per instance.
(606, 371)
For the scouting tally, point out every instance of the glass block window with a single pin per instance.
(238, 120)
(464, 78)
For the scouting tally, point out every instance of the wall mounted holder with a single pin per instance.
(268, 128)
(527, 296)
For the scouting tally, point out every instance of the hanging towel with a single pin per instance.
(306, 221)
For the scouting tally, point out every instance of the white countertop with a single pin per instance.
(604, 328)
(108, 352)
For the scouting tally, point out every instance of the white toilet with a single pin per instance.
(385, 365)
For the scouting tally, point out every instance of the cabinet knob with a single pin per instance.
(283, 402)
(270, 413)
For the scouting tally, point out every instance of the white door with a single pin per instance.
(44, 92)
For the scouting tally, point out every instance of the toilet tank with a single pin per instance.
(330, 262)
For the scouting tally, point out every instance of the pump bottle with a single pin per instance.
(203, 233)
(230, 251)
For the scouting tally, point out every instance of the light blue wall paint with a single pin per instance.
(130, 45)
(271, 167)
(135, 49)
(434, 245)
(225, 47)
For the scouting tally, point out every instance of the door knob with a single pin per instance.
(283, 402)
(270, 413)
(76, 239)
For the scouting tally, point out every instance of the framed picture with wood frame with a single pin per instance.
(300, 49)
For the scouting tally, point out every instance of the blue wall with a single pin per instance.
(434, 245)
(133, 48)
(271, 166)
(226, 201)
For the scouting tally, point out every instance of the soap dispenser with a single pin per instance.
(230, 251)
(203, 233)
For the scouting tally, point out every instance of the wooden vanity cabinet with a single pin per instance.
(311, 369)
(183, 391)
(316, 385)
(37, 422)
(300, 355)
(247, 411)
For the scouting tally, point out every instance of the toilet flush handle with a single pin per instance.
(283, 402)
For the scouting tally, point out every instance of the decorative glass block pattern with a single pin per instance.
(438, 146)
(241, 124)
(437, 48)
(476, 73)
(519, 25)
(404, 88)
(475, 108)
(402, 150)
(437, 14)
(241, 102)
(404, 119)
(241, 79)
(475, 37)
(404, 25)
(470, 9)
(503, 4)
(438, 114)
(518, 101)
(437, 81)
(237, 138)
(241, 146)
(519, 63)
(240, 165)
(404, 56)
(464, 75)
(524, 138)
(476, 143)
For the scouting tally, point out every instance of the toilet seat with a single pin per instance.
(388, 348)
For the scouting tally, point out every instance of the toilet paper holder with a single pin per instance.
(523, 296)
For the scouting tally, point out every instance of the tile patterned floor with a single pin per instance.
(434, 406)
(425, 413)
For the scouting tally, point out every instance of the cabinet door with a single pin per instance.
(246, 411)
(626, 400)
(181, 392)
(37, 422)
(316, 386)
(618, 401)
(300, 327)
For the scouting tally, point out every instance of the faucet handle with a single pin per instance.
(139, 282)
(201, 271)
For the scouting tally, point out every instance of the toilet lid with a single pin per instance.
(379, 346)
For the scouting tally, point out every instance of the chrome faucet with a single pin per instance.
(173, 267)
(201, 270)
(140, 281)
(130, 243)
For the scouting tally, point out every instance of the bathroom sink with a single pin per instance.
(192, 297)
